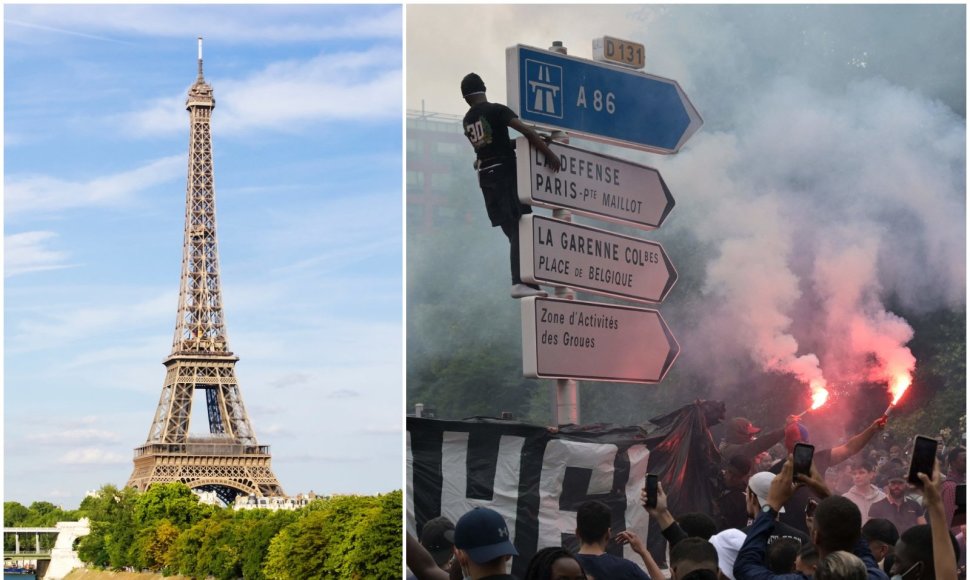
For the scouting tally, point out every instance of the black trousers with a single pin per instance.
(500, 190)
(511, 231)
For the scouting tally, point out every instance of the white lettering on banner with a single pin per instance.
(600, 459)
(636, 517)
(454, 477)
(559, 455)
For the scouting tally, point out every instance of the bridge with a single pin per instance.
(27, 550)
(59, 554)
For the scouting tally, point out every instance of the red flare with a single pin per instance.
(898, 386)
(819, 394)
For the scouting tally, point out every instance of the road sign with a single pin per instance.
(597, 342)
(599, 101)
(593, 184)
(618, 51)
(565, 254)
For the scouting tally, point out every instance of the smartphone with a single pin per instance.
(924, 454)
(802, 462)
(651, 491)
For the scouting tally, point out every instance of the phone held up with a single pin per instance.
(651, 491)
(802, 461)
(924, 454)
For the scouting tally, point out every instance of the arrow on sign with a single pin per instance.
(599, 101)
(570, 339)
(593, 184)
(565, 254)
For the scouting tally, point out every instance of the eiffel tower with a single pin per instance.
(228, 460)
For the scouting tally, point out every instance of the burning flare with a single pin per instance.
(898, 386)
(819, 393)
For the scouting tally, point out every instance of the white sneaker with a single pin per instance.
(522, 290)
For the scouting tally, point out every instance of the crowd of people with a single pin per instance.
(855, 516)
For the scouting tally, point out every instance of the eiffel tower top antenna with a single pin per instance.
(200, 60)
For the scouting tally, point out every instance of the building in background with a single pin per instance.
(439, 166)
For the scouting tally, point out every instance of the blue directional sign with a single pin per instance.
(599, 101)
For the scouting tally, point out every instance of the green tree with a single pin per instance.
(174, 502)
(255, 535)
(277, 564)
(112, 527)
(196, 551)
(338, 537)
(14, 514)
(377, 541)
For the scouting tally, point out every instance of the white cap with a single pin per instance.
(760, 483)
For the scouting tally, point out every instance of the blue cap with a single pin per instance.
(483, 534)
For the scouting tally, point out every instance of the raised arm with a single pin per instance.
(944, 561)
(628, 537)
(421, 563)
(552, 160)
(857, 442)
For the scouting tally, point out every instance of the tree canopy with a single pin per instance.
(166, 529)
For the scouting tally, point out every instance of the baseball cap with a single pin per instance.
(743, 426)
(438, 536)
(895, 474)
(483, 534)
(760, 483)
(472, 84)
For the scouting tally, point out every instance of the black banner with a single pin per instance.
(534, 477)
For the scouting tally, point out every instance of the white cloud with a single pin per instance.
(56, 329)
(45, 194)
(72, 437)
(30, 252)
(249, 24)
(393, 428)
(288, 96)
(92, 456)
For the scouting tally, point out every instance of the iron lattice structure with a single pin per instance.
(228, 460)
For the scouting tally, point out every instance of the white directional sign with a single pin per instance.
(597, 342)
(593, 184)
(565, 254)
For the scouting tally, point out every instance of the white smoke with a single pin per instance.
(818, 210)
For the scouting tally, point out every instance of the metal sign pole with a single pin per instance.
(567, 390)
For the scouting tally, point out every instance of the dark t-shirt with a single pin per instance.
(487, 128)
(904, 517)
(610, 566)
(783, 530)
(732, 508)
(794, 514)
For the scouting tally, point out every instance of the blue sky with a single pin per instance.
(307, 155)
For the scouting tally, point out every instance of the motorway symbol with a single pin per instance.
(593, 184)
(599, 101)
(561, 253)
(597, 342)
